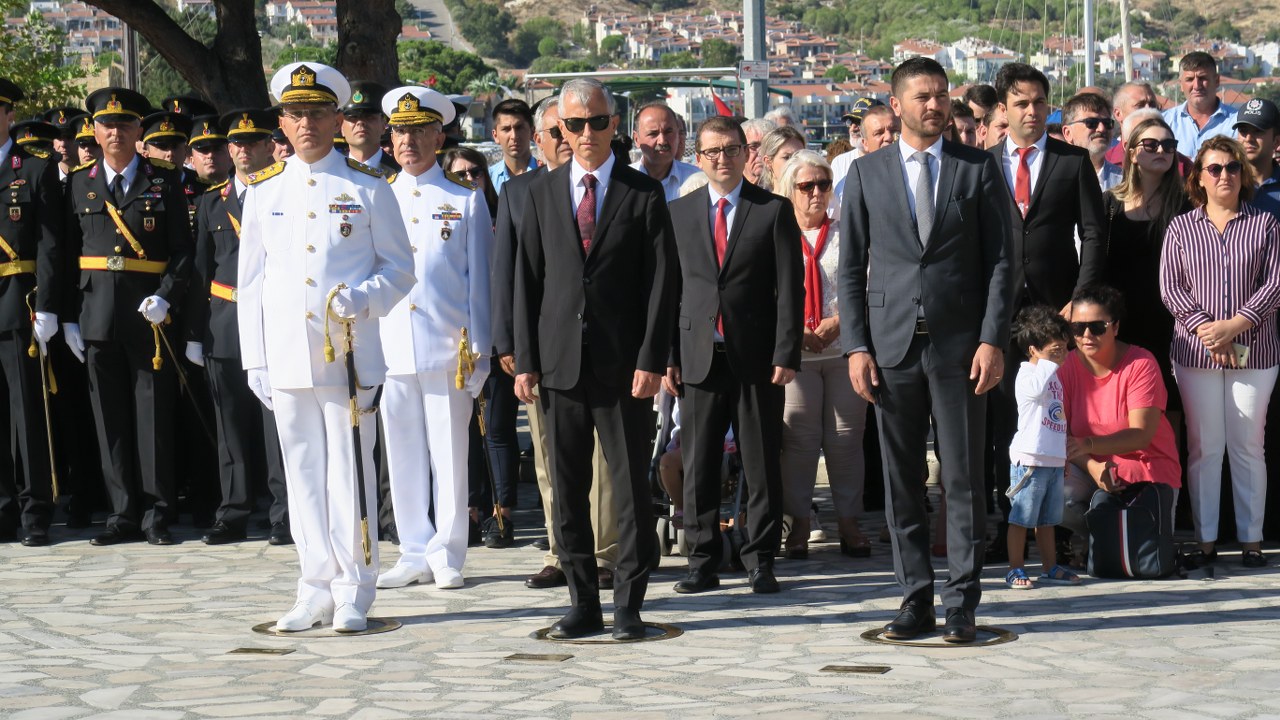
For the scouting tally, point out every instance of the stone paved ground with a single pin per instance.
(137, 632)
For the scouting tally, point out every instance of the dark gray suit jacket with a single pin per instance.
(502, 271)
(961, 275)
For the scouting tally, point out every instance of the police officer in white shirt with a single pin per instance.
(425, 414)
(311, 223)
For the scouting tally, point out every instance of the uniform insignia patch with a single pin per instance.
(149, 224)
(446, 232)
(446, 216)
(345, 229)
(17, 163)
(15, 214)
(91, 196)
(344, 198)
(447, 207)
(157, 180)
(18, 183)
(340, 209)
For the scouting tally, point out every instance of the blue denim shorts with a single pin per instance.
(1035, 496)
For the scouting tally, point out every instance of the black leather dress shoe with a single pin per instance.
(221, 534)
(548, 577)
(581, 620)
(541, 544)
(960, 627)
(698, 582)
(114, 536)
(762, 580)
(159, 536)
(35, 538)
(627, 624)
(280, 534)
(914, 619)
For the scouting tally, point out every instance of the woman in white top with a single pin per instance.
(822, 413)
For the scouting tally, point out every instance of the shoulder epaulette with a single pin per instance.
(85, 166)
(269, 171)
(392, 177)
(459, 180)
(219, 186)
(357, 165)
(38, 153)
(162, 164)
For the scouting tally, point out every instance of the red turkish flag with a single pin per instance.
(721, 107)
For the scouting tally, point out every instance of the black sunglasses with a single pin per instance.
(1152, 145)
(597, 123)
(555, 133)
(1093, 123)
(1097, 327)
(475, 173)
(806, 187)
(1233, 168)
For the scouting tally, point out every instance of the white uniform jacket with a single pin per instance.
(305, 229)
(451, 235)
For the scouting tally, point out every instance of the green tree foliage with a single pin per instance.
(406, 9)
(837, 73)
(32, 56)
(453, 70)
(485, 25)
(558, 65)
(527, 42)
(549, 47)
(683, 59)
(612, 46)
(718, 53)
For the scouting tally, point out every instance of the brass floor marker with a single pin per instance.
(987, 636)
(653, 632)
(376, 627)
(857, 669)
(534, 657)
(260, 651)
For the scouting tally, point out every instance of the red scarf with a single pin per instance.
(813, 276)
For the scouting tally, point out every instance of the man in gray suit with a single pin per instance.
(924, 313)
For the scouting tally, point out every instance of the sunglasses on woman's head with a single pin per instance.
(1152, 145)
(597, 123)
(807, 187)
(1097, 327)
(1233, 168)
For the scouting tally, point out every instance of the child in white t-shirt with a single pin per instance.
(1038, 453)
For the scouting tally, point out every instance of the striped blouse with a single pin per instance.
(1205, 276)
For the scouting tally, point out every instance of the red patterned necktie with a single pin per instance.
(587, 213)
(721, 236)
(1022, 183)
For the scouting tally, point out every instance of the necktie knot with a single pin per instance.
(921, 157)
(722, 204)
(1024, 154)
(589, 181)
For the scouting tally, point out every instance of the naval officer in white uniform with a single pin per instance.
(311, 223)
(425, 414)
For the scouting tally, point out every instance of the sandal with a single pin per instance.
(1017, 579)
(1253, 559)
(1058, 575)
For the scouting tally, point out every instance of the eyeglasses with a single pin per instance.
(597, 123)
(311, 114)
(414, 130)
(86, 144)
(730, 151)
(555, 134)
(1097, 327)
(753, 147)
(1094, 123)
(1233, 168)
(473, 172)
(1152, 145)
(807, 187)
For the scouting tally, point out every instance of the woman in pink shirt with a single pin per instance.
(1114, 398)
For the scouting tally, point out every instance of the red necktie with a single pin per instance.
(1022, 183)
(721, 237)
(587, 213)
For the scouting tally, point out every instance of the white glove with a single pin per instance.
(475, 383)
(71, 331)
(350, 302)
(45, 327)
(154, 309)
(195, 353)
(260, 384)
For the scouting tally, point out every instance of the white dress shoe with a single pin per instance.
(448, 579)
(349, 619)
(402, 575)
(304, 617)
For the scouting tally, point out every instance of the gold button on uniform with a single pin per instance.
(311, 248)
(417, 194)
(119, 249)
(414, 220)
(311, 282)
(412, 307)
(310, 315)
(311, 216)
(413, 248)
(311, 181)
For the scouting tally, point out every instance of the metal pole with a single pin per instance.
(1124, 38)
(755, 98)
(129, 51)
(1090, 44)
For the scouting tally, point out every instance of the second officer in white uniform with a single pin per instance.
(425, 414)
(309, 224)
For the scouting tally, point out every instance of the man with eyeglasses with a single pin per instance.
(1087, 124)
(425, 414)
(1127, 99)
(1257, 126)
(248, 443)
(363, 126)
(594, 310)
(321, 237)
(657, 134)
(741, 326)
(755, 130)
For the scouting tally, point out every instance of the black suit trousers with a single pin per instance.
(133, 408)
(908, 391)
(755, 412)
(26, 490)
(245, 451)
(625, 426)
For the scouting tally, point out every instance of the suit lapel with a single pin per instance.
(561, 204)
(613, 198)
(1047, 165)
(946, 178)
(739, 221)
(705, 243)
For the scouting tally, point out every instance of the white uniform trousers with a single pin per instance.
(324, 510)
(426, 420)
(1226, 411)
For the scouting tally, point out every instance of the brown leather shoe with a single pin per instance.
(549, 577)
(605, 576)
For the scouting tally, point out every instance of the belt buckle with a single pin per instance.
(235, 295)
(115, 263)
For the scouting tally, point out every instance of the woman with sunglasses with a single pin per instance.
(1139, 209)
(470, 165)
(776, 148)
(1220, 276)
(821, 412)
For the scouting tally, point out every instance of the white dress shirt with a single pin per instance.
(130, 171)
(578, 190)
(1009, 163)
(680, 171)
(911, 170)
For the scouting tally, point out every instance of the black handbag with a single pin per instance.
(1131, 532)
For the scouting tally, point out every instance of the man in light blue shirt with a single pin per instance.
(513, 132)
(1203, 115)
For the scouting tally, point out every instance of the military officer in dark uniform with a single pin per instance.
(128, 233)
(87, 148)
(30, 231)
(248, 443)
(363, 126)
(36, 135)
(164, 136)
(65, 120)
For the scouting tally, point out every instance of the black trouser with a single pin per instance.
(707, 410)
(75, 442)
(386, 511)
(504, 447)
(26, 489)
(196, 452)
(133, 408)
(625, 425)
(248, 449)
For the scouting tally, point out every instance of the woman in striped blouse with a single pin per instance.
(1220, 277)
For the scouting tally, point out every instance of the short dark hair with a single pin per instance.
(915, 67)
(984, 96)
(1037, 326)
(720, 124)
(1104, 296)
(1085, 102)
(961, 109)
(1197, 60)
(514, 106)
(1014, 73)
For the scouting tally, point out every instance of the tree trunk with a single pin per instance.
(367, 32)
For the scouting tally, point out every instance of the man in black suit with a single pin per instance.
(740, 326)
(924, 318)
(594, 310)
(1051, 190)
